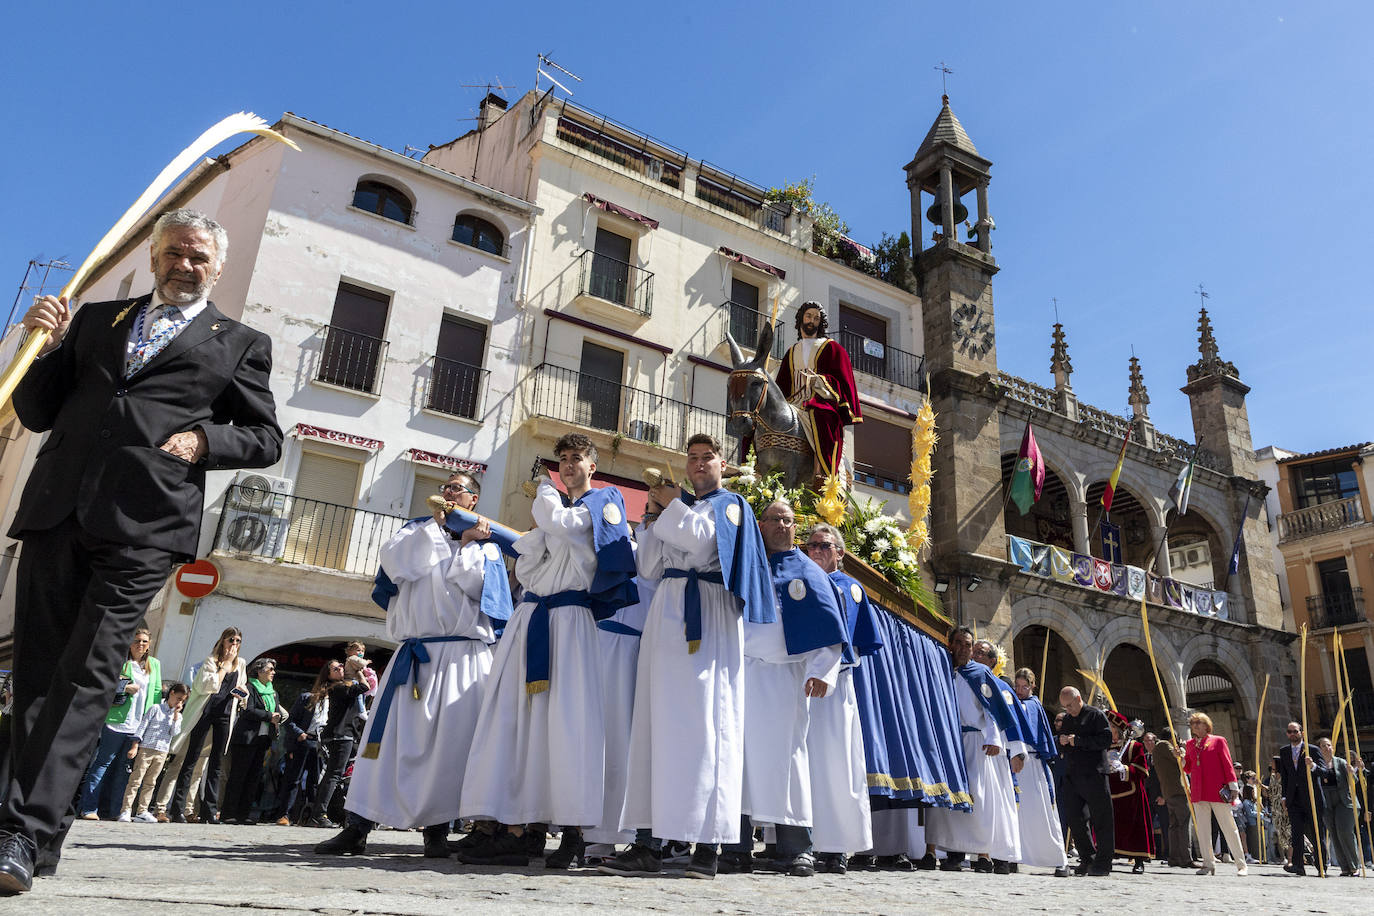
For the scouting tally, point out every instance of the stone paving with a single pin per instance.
(115, 869)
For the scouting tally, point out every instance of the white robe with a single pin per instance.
(839, 772)
(1042, 839)
(417, 776)
(687, 738)
(540, 758)
(777, 771)
(897, 832)
(619, 667)
(991, 827)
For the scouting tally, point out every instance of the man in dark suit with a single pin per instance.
(1084, 741)
(140, 399)
(1295, 759)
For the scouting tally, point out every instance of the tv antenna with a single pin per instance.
(412, 149)
(545, 60)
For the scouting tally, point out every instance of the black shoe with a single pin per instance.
(177, 816)
(536, 837)
(735, 863)
(503, 849)
(323, 823)
(802, 865)
(1062, 871)
(898, 862)
(1096, 872)
(927, 862)
(863, 863)
(949, 863)
(569, 851)
(1001, 867)
(476, 837)
(704, 862)
(833, 863)
(1082, 868)
(436, 842)
(1011, 866)
(675, 852)
(1138, 868)
(16, 863)
(635, 862)
(350, 842)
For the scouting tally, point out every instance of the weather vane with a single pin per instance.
(1202, 295)
(944, 77)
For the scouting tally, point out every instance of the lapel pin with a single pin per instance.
(120, 316)
(215, 326)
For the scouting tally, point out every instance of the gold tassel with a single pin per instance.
(371, 750)
(692, 646)
(415, 691)
(534, 687)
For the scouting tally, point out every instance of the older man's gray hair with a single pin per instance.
(193, 219)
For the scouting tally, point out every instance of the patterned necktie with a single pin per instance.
(163, 331)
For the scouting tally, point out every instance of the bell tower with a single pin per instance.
(954, 270)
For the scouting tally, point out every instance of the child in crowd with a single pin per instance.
(149, 752)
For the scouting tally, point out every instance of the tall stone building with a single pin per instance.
(1046, 583)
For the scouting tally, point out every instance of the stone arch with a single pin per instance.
(1129, 631)
(1044, 611)
(1051, 519)
(1126, 671)
(1048, 655)
(1136, 514)
(1230, 659)
(1198, 525)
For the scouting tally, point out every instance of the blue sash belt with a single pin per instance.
(691, 610)
(537, 634)
(405, 667)
(615, 626)
(965, 729)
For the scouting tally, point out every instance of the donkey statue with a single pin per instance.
(761, 414)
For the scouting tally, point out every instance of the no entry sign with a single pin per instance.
(198, 579)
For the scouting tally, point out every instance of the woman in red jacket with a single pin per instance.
(1207, 761)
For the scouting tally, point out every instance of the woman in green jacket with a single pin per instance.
(139, 690)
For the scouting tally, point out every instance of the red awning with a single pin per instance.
(634, 492)
(447, 462)
(753, 262)
(619, 211)
(306, 431)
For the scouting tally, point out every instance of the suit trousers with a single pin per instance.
(245, 778)
(1300, 825)
(1180, 836)
(303, 758)
(1340, 827)
(1226, 822)
(1090, 789)
(78, 600)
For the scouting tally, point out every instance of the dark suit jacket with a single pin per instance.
(1295, 779)
(251, 718)
(102, 459)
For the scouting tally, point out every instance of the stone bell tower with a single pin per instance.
(954, 269)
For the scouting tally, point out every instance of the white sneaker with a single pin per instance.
(145, 817)
(124, 817)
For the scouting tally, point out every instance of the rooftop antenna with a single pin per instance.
(545, 60)
(486, 88)
(412, 149)
(944, 78)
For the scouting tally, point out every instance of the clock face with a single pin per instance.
(973, 333)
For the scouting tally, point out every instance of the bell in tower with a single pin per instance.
(947, 166)
(935, 212)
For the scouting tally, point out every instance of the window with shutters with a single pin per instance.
(864, 336)
(354, 344)
(323, 510)
(457, 378)
(598, 386)
(882, 455)
(427, 484)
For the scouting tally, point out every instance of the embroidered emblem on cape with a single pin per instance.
(491, 551)
(987, 691)
(797, 589)
(1006, 697)
(611, 513)
(732, 513)
(856, 592)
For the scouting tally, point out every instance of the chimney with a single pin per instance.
(492, 107)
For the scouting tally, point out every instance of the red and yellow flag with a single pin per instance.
(1108, 493)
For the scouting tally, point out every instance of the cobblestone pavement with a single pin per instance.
(115, 869)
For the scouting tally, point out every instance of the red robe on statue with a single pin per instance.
(834, 399)
(1135, 835)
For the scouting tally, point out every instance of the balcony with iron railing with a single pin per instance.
(615, 143)
(455, 388)
(1321, 518)
(884, 361)
(745, 325)
(880, 479)
(725, 191)
(1361, 704)
(599, 404)
(606, 279)
(290, 529)
(351, 360)
(1336, 609)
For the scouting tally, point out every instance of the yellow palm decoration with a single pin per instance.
(923, 439)
(831, 504)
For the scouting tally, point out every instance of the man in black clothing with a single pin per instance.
(1083, 742)
(1294, 761)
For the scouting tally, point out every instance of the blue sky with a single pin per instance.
(1139, 149)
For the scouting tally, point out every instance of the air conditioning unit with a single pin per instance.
(258, 492)
(644, 431)
(256, 515)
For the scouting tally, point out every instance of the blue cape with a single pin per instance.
(496, 600)
(811, 615)
(613, 584)
(743, 559)
(997, 698)
(860, 617)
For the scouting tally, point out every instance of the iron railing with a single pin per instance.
(291, 529)
(615, 281)
(455, 388)
(1336, 609)
(722, 193)
(746, 324)
(883, 480)
(352, 360)
(585, 400)
(632, 153)
(881, 360)
(1361, 703)
(1318, 519)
